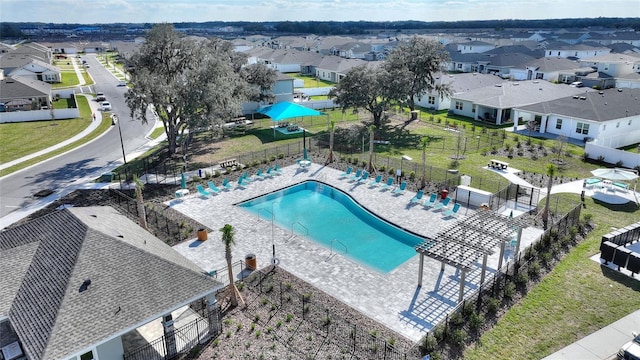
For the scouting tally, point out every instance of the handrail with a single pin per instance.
(346, 250)
(260, 218)
(302, 226)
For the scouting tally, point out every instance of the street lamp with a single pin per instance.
(114, 118)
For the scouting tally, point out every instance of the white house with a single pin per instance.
(579, 51)
(474, 47)
(610, 117)
(459, 83)
(38, 70)
(547, 68)
(77, 280)
(494, 103)
(613, 64)
(334, 68)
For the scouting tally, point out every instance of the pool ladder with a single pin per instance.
(293, 234)
(346, 250)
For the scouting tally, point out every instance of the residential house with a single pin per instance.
(352, 50)
(627, 37)
(571, 38)
(33, 50)
(605, 116)
(284, 60)
(37, 70)
(546, 68)
(494, 103)
(78, 280)
(629, 81)
(66, 48)
(334, 68)
(22, 94)
(574, 51)
(613, 64)
(282, 90)
(459, 83)
(622, 48)
(474, 47)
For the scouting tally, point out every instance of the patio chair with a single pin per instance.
(277, 170)
(387, 185)
(213, 187)
(246, 178)
(364, 177)
(433, 199)
(357, 175)
(443, 204)
(259, 174)
(268, 173)
(226, 184)
(452, 212)
(202, 191)
(400, 189)
(346, 173)
(242, 183)
(416, 198)
(376, 181)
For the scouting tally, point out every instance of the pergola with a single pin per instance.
(462, 244)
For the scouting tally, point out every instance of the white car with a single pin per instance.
(630, 350)
(100, 97)
(106, 106)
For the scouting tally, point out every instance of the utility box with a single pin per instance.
(465, 180)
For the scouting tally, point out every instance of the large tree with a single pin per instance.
(413, 68)
(363, 88)
(189, 83)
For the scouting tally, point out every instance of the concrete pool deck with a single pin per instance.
(392, 299)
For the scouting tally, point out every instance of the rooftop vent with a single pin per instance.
(498, 85)
(576, 97)
(601, 92)
(516, 84)
(85, 285)
(619, 90)
(583, 98)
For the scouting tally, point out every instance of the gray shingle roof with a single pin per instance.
(23, 87)
(598, 106)
(518, 93)
(134, 278)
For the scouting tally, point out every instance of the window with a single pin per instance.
(582, 129)
(540, 76)
(576, 54)
(458, 105)
(558, 53)
(559, 124)
(431, 100)
(87, 356)
(473, 108)
(549, 53)
(459, 65)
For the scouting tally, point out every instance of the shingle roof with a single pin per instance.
(597, 106)
(518, 93)
(548, 64)
(23, 87)
(134, 278)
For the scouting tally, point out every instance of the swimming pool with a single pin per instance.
(333, 219)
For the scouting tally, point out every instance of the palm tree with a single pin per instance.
(228, 240)
(332, 128)
(551, 171)
(424, 142)
(140, 202)
(372, 130)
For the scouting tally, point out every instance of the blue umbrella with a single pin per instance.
(183, 181)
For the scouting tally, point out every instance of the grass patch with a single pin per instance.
(69, 78)
(311, 81)
(157, 132)
(577, 298)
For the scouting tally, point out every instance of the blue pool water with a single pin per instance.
(326, 214)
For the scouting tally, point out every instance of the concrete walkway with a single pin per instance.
(602, 344)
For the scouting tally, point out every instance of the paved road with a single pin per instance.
(64, 172)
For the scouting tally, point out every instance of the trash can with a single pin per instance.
(444, 193)
(202, 234)
(250, 261)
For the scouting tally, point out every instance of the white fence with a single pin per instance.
(611, 155)
(319, 91)
(38, 115)
(63, 93)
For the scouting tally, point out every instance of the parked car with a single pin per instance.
(100, 97)
(576, 84)
(122, 83)
(630, 350)
(106, 106)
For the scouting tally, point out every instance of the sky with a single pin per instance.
(174, 11)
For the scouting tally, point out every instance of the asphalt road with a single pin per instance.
(82, 164)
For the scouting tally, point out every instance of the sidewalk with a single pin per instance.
(602, 344)
(94, 124)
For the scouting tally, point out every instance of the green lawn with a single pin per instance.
(69, 78)
(311, 81)
(577, 298)
(21, 139)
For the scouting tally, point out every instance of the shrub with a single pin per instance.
(428, 344)
(281, 156)
(534, 269)
(522, 279)
(412, 175)
(509, 291)
(492, 305)
(458, 337)
(476, 321)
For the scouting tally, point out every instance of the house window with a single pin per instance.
(473, 108)
(576, 54)
(459, 65)
(431, 100)
(458, 105)
(558, 53)
(582, 128)
(559, 124)
(87, 356)
(539, 76)
(549, 53)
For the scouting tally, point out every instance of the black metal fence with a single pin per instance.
(177, 343)
(463, 322)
